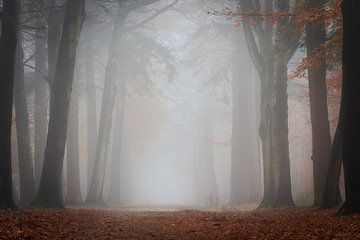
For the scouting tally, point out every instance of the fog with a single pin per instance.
(166, 99)
(172, 143)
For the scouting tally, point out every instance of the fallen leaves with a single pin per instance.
(296, 223)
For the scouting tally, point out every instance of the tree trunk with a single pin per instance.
(281, 133)
(266, 121)
(262, 55)
(73, 195)
(321, 138)
(331, 195)
(91, 110)
(350, 106)
(95, 193)
(40, 102)
(8, 45)
(26, 170)
(208, 169)
(244, 152)
(50, 189)
(114, 196)
(54, 21)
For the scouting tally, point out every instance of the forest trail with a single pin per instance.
(294, 223)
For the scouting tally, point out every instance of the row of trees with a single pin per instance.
(273, 33)
(50, 189)
(54, 30)
(272, 42)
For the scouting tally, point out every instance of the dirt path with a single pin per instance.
(104, 224)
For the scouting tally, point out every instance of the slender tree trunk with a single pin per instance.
(236, 154)
(92, 123)
(115, 177)
(95, 193)
(26, 170)
(208, 168)
(244, 153)
(8, 45)
(50, 189)
(40, 102)
(350, 106)
(73, 195)
(321, 138)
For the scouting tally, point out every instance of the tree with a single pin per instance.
(321, 139)
(350, 106)
(245, 157)
(54, 22)
(95, 193)
(8, 46)
(26, 169)
(331, 192)
(50, 188)
(91, 109)
(271, 59)
(261, 53)
(285, 46)
(40, 89)
(73, 193)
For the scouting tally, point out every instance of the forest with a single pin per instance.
(179, 119)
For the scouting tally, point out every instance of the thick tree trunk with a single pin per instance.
(331, 195)
(8, 45)
(54, 21)
(266, 121)
(321, 138)
(50, 189)
(26, 170)
(91, 110)
(261, 52)
(281, 130)
(73, 193)
(350, 106)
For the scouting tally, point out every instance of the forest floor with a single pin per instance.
(294, 223)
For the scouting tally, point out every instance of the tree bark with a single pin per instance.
(281, 133)
(350, 106)
(8, 45)
(115, 178)
(321, 138)
(26, 169)
(244, 152)
(41, 105)
(73, 193)
(262, 54)
(54, 21)
(331, 195)
(50, 189)
(91, 110)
